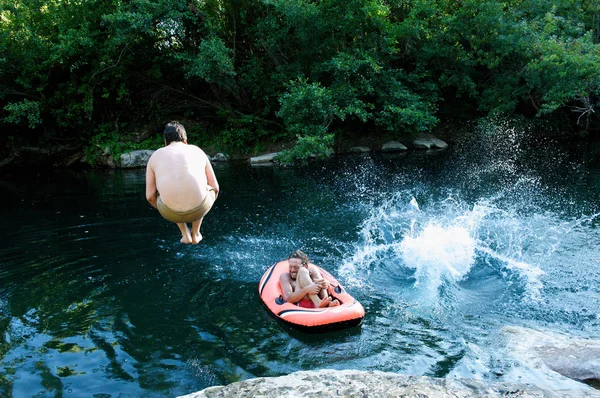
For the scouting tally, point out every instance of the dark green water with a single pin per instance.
(99, 298)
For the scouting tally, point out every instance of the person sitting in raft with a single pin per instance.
(304, 284)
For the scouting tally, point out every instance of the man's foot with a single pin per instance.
(334, 303)
(185, 233)
(196, 238)
(325, 302)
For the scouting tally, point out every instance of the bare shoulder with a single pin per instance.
(195, 148)
(197, 151)
(155, 155)
(284, 278)
(158, 152)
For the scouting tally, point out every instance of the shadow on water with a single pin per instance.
(329, 337)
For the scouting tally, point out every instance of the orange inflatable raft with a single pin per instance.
(349, 313)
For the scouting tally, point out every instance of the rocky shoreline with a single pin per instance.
(364, 384)
(559, 360)
(139, 158)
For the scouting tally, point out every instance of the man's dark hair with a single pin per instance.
(299, 254)
(174, 131)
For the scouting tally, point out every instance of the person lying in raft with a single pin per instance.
(304, 284)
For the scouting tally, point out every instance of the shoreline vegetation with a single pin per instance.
(245, 77)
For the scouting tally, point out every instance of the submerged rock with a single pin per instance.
(575, 358)
(355, 383)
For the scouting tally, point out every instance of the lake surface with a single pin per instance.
(443, 249)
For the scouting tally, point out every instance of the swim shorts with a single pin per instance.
(306, 303)
(190, 215)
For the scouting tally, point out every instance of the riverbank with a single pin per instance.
(570, 361)
(365, 384)
(145, 139)
(105, 157)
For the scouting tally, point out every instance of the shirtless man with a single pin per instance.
(304, 284)
(181, 183)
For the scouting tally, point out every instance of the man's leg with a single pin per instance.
(206, 205)
(185, 233)
(323, 293)
(303, 281)
(196, 235)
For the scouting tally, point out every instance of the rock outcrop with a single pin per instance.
(219, 157)
(354, 383)
(429, 142)
(135, 159)
(360, 149)
(575, 358)
(264, 159)
(393, 146)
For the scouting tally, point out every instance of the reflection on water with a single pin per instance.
(97, 296)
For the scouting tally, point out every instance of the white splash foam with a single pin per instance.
(442, 242)
(439, 253)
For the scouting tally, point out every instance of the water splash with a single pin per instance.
(438, 253)
(529, 273)
(438, 245)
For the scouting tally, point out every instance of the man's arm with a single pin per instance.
(291, 296)
(211, 179)
(151, 192)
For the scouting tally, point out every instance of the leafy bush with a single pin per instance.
(108, 137)
(307, 147)
(24, 112)
(307, 108)
(242, 134)
(74, 66)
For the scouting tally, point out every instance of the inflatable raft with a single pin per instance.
(349, 313)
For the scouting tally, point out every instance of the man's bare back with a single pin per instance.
(180, 175)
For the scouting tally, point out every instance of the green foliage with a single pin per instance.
(149, 143)
(247, 67)
(307, 108)
(108, 140)
(359, 77)
(307, 147)
(25, 110)
(212, 63)
(566, 73)
(242, 134)
(105, 139)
